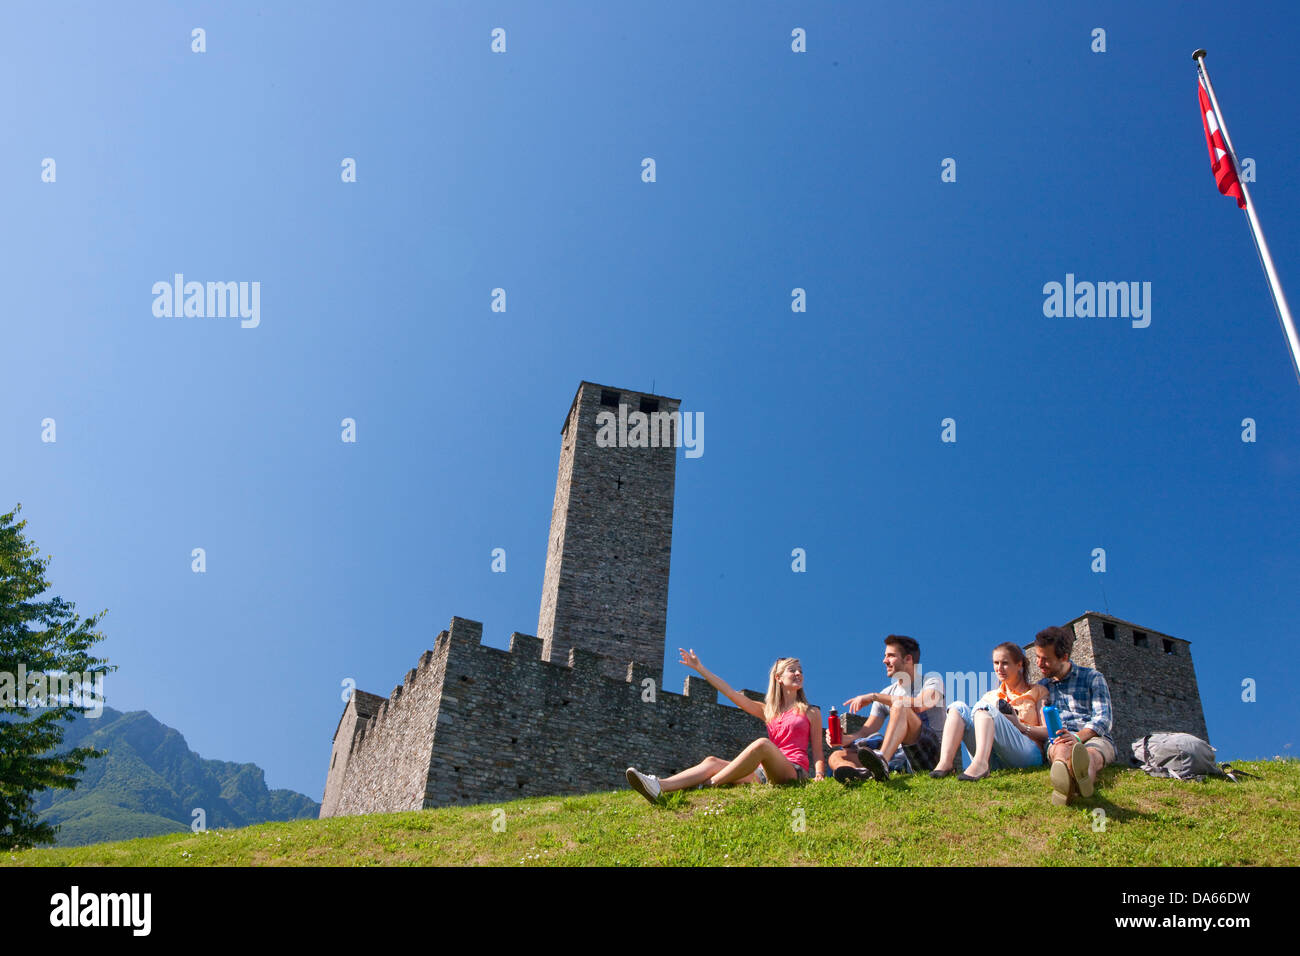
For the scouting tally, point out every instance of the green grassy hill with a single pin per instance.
(911, 821)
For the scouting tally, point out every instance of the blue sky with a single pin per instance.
(522, 170)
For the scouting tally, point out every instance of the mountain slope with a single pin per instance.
(151, 783)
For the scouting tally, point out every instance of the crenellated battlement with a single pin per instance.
(464, 634)
(492, 724)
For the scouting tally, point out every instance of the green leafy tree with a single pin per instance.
(45, 637)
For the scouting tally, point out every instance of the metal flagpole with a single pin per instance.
(1261, 245)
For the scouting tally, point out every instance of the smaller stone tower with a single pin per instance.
(1151, 678)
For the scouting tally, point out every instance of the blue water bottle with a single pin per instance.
(1052, 719)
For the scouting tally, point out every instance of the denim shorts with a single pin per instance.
(800, 774)
(924, 753)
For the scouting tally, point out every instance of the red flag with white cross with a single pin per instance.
(1225, 176)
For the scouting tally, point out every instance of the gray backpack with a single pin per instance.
(1184, 756)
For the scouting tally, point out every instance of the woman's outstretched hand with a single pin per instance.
(690, 660)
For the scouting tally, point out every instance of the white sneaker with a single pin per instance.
(643, 783)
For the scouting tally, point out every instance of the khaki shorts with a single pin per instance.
(1103, 747)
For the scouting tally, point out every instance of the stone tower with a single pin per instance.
(1151, 678)
(605, 588)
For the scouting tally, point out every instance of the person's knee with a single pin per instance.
(960, 708)
(900, 716)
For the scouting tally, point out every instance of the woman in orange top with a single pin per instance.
(1005, 729)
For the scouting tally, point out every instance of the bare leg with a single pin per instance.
(904, 727)
(979, 762)
(1095, 761)
(693, 777)
(843, 758)
(1061, 751)
(761, 751)
(954, 728)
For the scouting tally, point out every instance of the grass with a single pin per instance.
(910, 821)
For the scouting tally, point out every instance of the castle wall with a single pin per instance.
(388, 754)
(507, 724)
(474, 724)
(359, 709)
(513, 725)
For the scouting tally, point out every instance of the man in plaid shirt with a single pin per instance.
(1081, 695)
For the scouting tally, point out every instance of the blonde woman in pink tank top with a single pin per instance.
(781, 757)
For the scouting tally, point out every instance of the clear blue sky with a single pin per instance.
(521, 170)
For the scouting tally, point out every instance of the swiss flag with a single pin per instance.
(1220, 162)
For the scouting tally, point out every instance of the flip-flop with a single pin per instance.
(1079, 764)
(1060, 783)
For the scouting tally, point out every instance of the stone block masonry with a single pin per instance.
(475, 724)
(605, 588)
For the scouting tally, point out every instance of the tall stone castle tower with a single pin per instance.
(567, 710)
(606, 583)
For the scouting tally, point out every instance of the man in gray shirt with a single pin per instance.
(915, 717)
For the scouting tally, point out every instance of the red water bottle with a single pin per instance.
(833, 725)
